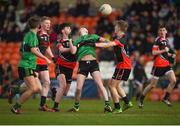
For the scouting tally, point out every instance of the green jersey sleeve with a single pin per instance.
(75, 43)
(95, 37)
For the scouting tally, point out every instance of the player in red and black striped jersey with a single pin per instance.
(65, 64)
(42, 67)
(123, 65)
(163, 56)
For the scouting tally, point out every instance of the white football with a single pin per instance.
(105, 9)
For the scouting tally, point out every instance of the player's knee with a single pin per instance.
(140, 87)
(173, 81)
(78, 91)
(46, 83)
(36, 89)
(63, 87)
(39, 89)
(110, 86)
(65, 93)
(152, 85)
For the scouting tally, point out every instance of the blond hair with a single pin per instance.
(123, 25)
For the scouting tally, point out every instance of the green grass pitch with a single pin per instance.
(91, 112)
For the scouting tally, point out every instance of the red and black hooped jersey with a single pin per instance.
(122, 53)
(65, 59)
(162, 59)
(44, 43)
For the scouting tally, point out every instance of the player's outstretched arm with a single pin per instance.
(109, 44)
(36, 51)
(105, 45)
(63, 49)
(73, 49)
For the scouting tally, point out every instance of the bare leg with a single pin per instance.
(67, 89)
(115, 96)
(97, 77)
(60, 91)
(80, 82)
(152, 84)
(32, 88)
(172, 78)
(114, 93)
(120, 90)
(44, 75)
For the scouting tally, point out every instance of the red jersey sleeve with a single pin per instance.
(155, 48)
(118, 43)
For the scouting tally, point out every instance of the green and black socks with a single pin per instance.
(76, 105)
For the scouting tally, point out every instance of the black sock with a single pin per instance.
(125, 99)
(117, 105)
(56, 105)
(43, 100)
(54, 91)
(142, 98)
(166, 96)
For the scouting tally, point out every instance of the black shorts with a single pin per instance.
(25, 72)
(40, 68)
(88, 66)
(160, 71)
(68, 72)
(121, 74)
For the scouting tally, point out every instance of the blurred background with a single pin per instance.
(143, 17)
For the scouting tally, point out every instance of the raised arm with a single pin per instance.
(109, 44)
(105, 45)
(73, 49)
(101, 39)
(63, 49)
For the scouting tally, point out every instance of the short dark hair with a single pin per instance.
(33, 22)
(162, 26)
(63, 25)
(123, 25)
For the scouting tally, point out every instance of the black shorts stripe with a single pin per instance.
(68, 72)
(118, 73)
(40, 68)
(121, 74)
(160, 71)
